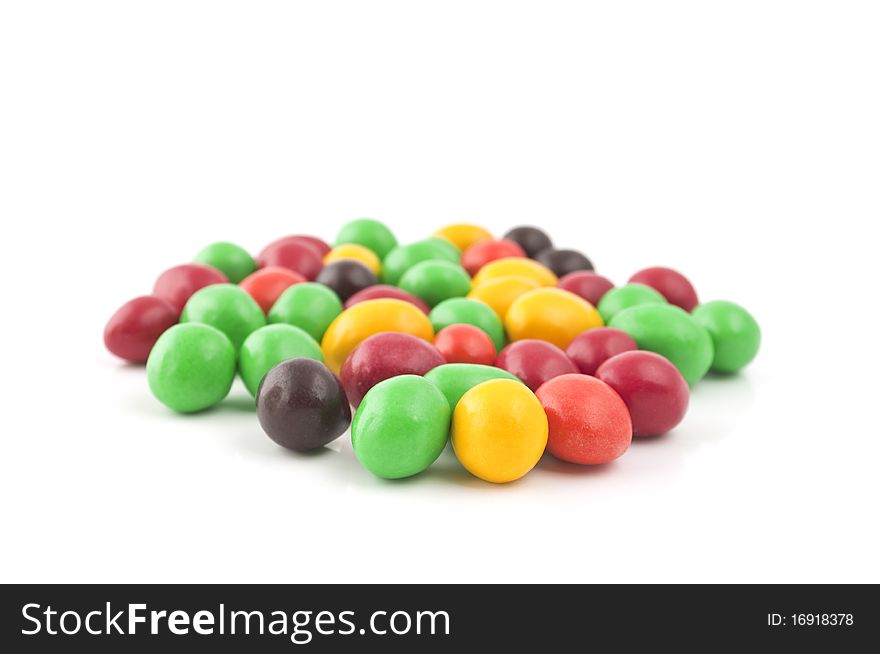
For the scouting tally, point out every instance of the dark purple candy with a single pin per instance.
(531, 239)
(346, 277)
(563, 262)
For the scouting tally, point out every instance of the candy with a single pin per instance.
(317, 244)
(267, 284)
(514, 267)
(385, 291)
(346, 277)
(562, 262)
(651, 387)
(672, 332)
(435, 281)
(592, 348)
(550, 314)
(534, 362)
(357, 253)
(233, 261)
(483, 252)
(382, 356)
(531, 239)
(270, 345)
(191, 367)
(463, 235)
(370, 233)
(294, 254)
(301, 405)
(401, 427)
(309, 306)
(471, 312)
(226, 307)
(136, 326)
(464, 343)
(735, 334)
(499, 430)
(671, 284)
(177, 284)
(404, 257)
(587, 284)
(362, 320)
(589, 423)
(500, 293)
(624, 297)
(456, 379)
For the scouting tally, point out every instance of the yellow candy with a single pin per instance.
(364, 319)
(499, 430)
(356, 252)
(501, 292)
(463, 235)
(550, 314)
(515, 267)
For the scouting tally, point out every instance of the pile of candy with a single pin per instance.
(499, 344)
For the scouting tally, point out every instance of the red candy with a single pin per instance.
(176, 285)
(462, 343)
(133, 330)
(589, 423)
(534, 361)
(382, 356)
(482, 252)
(384, 291)
(294, 254)
(319, 244)
(652, 388)
(586, 284)
(593, 347)
(671, 284)
(267, 284)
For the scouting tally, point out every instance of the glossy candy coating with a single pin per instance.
(671, 284)
(483, 252)
(463, 235)
(319, 245)
(587, 284)
(355, 252)
(191, 367)
(531, 239)
(177, 284)
(589, 422)
(382, 356)
(499, 430)
(463, 343)
(301, 405)
(500, 293)
(233, 261)
(471, 312)
(435, 281)
(563, 262)
(624, 297)
(594, 347)
(294, 254)
(380, 291)
(651, 387)
(226, 307)
(514, 267)
(309, 306)
(404, 257)
(534, 362)
(672, 332)
(136, 326)
(456, 379)
(735, 334)
(267, 284)
(364, 319)
(370, 233)
(270, 345)
(346, 277)
(550, 314)
(401, 427)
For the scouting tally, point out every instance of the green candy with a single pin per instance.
(370, 233)
(309, 306)
(472, 312)
(435, 281)
(226, 307)
(400, 427)
(191, 367)
(270, 345)
(456, 379)
(404, 257)
(734, 332)
(233, 261)
(624, 297)
(672, 332)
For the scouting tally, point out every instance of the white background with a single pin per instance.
(738, 142)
